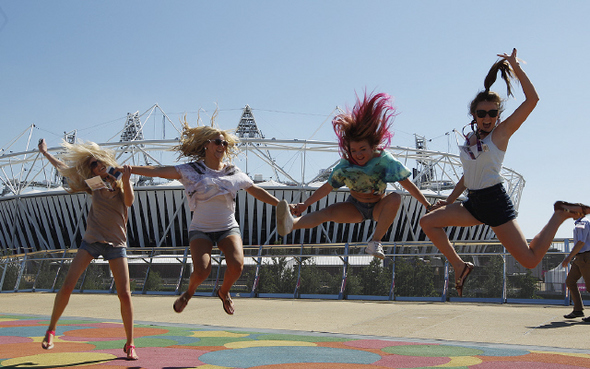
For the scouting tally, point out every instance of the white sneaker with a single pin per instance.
(374, 248)
(284, 218)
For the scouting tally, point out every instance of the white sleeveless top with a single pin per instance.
(484, 170)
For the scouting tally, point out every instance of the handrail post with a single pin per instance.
(344, 272)
(392, 288)
(61, 263)
(257, 273)
(446, 283)
(20, 273)
(298, 282)
(566, 299)
(182, 267)
(5, 262)
(504, 278)
(219, 262)
(149, 268)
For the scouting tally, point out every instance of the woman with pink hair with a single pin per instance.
(365, 168)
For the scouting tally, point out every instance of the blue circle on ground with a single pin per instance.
(490, 351)
(258, 356)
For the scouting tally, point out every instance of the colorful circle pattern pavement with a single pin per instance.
(96, 344)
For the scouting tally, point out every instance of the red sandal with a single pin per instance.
(46, 344)
(130, 351)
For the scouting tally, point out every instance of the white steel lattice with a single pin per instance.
(36, 214)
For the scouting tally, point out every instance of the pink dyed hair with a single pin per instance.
(370, 119)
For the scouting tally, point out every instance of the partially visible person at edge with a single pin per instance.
(211, 185)
(106, 230)
(580, 266)
(487, 201)
(365, 168)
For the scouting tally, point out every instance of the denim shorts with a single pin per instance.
(365, 208)
(491, 205)
(107, 251)
(214, 237)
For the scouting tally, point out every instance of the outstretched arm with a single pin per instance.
(317, 195)
(263, 195)
(415, 192)
(58, 164)
(457, 191)
(129, 195)
(168, 172)
(511, 124)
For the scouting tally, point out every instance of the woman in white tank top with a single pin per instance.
(487, 202)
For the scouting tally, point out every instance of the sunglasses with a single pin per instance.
(219, 141)
(482, 113)
(93, 164)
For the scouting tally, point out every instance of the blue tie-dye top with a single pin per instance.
(370, 178)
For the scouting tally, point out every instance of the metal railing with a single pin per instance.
(324, 271)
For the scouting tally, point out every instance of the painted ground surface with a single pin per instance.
(98, 344)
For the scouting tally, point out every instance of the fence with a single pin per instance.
(323, 271)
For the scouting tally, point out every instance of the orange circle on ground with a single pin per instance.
(34, 348)
(114, 333)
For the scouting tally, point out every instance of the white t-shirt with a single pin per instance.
(212, 195)
(582, 233)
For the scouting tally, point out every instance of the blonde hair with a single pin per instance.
(193, 140)
(77, 159)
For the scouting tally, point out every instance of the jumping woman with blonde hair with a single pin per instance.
(211, 183)
(487, 202)
(106, 230)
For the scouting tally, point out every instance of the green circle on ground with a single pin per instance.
(432, 350)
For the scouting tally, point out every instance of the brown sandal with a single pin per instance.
(228, 304)
(467, 269)
(181, 302)
(561, 206)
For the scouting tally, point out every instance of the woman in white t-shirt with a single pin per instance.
(487, 201)
(211, 185)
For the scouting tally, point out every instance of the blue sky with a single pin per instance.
(83, 65)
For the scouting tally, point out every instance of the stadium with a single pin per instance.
(42, 225)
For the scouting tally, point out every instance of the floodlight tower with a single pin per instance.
(133, 131)
(69, 137)
(424, 170)
(247, 128)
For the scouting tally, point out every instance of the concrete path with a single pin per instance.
(291, 334)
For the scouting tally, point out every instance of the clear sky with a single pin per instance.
(83, 65)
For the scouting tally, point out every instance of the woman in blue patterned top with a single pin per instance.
(365, 168)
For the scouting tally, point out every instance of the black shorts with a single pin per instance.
(491, 205)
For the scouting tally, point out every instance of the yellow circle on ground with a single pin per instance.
(267, 343)
(59, 359)
(461, 361)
